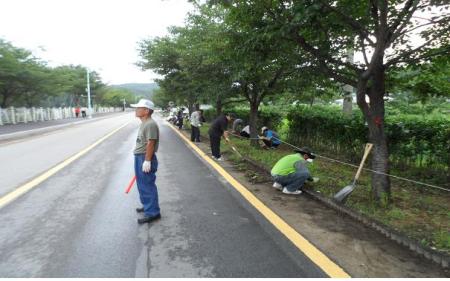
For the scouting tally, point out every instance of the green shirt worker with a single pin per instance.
(291, 171)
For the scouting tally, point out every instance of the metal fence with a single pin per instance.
(14, 115)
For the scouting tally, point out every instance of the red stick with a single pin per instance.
(130, 185)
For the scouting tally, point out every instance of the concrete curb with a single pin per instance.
(442, 259)
(435, 256)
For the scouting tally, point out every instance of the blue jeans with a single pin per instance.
(148, 193)
(293, 181)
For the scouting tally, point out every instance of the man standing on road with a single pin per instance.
(216, 131)
(195, 126)
(145, 161)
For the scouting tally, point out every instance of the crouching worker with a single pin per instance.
(270, 138)
(291, 172)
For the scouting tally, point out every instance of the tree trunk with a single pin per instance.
(374, 114)
(219, 106)
(5, 101)
(253, 122)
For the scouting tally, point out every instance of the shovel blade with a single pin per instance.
(344, 193)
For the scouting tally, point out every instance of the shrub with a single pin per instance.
(267, 117)
(415, 143)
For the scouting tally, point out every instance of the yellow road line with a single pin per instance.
(13, 195)
(315, 255)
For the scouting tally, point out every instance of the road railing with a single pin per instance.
(15, 115)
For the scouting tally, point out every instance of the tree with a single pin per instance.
(115, 97)
(19, 74)
(423, 81)
(191, 61)
(386, 33)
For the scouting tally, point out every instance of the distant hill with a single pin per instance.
(139, 89)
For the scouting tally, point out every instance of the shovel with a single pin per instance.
(234, 148)
(342, 195)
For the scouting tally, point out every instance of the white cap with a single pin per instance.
(144, 103)
(263, 129)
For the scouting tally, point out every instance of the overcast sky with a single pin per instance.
(99, 34)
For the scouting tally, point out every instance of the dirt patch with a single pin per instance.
(361, 251)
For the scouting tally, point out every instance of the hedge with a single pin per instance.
(271, 118)
(416, 144)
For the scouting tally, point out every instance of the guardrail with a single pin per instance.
(14, 115)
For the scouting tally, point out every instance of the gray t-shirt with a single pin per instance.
(147, 131)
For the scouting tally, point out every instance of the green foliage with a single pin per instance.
(27, 81)
(270, 117)
(115, 97)
(442, 239)
(424, 81)
(415, 143)
(139, 89)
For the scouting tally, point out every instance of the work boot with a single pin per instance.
(148, 219)
(296, 192)
(140, 210)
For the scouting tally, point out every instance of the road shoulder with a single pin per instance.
(360, 251)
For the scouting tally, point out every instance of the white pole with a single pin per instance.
(348, 89)
(89, 95)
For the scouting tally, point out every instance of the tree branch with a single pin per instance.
(363, 49)
(419, 26)
(404, 15)
(374, 12)
(321, 57)
(352, 22)
(410, 52)
(424, 56)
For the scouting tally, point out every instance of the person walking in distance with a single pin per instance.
(195, 126)
(217, 130)
(146, 162)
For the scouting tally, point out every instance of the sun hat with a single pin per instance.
(144, 103)
(306, 150)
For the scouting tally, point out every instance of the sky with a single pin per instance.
(102, 35)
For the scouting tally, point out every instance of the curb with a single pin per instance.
(442, 259)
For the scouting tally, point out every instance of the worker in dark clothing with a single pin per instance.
(218, 130)
(180, 118)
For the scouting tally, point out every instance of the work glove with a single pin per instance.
(146, 166)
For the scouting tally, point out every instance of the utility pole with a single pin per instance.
(348, 89)
(89, 95)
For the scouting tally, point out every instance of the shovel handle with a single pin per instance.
(234, 148)
(366, 153)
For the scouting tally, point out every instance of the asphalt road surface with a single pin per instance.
(80, 223)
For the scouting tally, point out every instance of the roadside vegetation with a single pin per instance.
(420, 213)
(285, 65)
(27, 81)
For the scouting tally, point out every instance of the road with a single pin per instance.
(78, 222)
